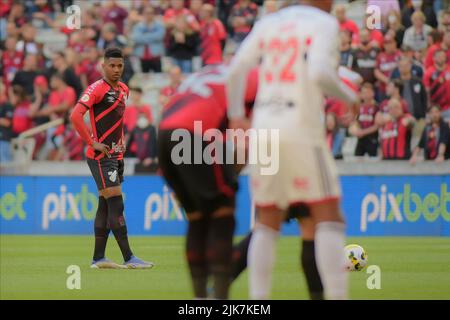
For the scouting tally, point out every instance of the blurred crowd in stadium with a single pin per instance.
(403, 67)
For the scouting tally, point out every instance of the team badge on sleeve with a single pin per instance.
(85, 98)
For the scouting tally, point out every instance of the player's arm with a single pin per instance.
(245, 59)
(323, 64)
(77, 119)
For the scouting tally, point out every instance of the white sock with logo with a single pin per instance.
(330, 259)
(261, 260)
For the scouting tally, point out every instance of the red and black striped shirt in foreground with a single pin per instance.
(106, 108)
(438, 83)
(395, 139)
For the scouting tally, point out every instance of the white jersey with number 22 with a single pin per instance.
(297, 50)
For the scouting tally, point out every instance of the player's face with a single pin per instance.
(113, 68)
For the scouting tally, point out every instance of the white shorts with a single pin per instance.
(306, 173)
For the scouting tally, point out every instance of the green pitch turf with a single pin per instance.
(34, 267)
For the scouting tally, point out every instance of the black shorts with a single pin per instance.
(106, 172)
(199, 187)
(368, 144)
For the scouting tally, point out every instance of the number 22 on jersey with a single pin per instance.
(283, 54)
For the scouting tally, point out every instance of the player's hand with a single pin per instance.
(102, 148)
(241, 123)
(413, 160)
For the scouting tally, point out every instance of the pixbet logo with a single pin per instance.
(407, 206)
(161, 207)
(11, 204)
(68, 206)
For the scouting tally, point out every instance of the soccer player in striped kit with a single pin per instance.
(105, 102)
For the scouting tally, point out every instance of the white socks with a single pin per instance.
(261, 260)
(329, 245)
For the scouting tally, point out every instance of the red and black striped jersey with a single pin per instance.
(438, 83)
(396, 140)
(106, 109)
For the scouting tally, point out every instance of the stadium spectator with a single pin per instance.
(43, 14)
(41, 98)
(387, 61)
(445, 21)
(113, 13)
(144, 137)
(195, 6)
(6, 120)
(395, 26)
(90, 25)
(12, 61)
(182, 44)
(242, 18)
(62, 97)
(348, 58)
(10, 30)
(366, 57)
(413, 6)
(17, 14)
(213, 36)
(443, 45)
(414, 91)
(28, 44)
(148, 37)
(395, 134)
(416, 68)
(89, 68)
(394, 90)
(223, 11)
(21, 117)
(416, 36)
(375, 34)
(176, 76)
(109, 37)
(347, 24)
(335, 140)
(25, 77)
(437, 82)
(435, 138)
(61, 66)
(135, 108)
(366, 130)
(177, 10)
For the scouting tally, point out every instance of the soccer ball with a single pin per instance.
(355, 257)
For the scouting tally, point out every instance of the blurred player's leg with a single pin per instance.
(219, 250)
(240, 253)
(330, 242)
(308, 260)
(101, 230)
(196, 253)
(261, 255)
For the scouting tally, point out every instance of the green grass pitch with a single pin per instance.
(34, 267)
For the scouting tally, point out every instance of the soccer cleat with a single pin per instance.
(136, 263)
(105, 263)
